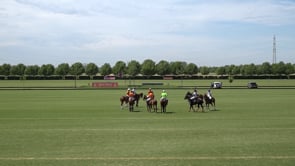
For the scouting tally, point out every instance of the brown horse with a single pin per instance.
(151, 104)
(197, 101)
(164, 103)
(209, 102)
(124, 99)
(137, 96)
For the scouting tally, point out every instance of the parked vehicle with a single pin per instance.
(252, 85)
(216, 85)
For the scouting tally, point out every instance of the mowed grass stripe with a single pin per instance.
(154, 158)
(141, 129)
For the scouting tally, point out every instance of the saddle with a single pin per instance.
(164, 99)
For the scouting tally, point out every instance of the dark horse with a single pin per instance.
(125, 99)
(137, 96)
(164, 103)
(131, 104)
(151, 104)
(209, 101)
(197, 101)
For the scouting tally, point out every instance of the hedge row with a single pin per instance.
(146, 77)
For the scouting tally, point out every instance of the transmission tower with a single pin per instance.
(274, 51)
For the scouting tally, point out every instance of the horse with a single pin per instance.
(164, 103)
(151, 104)
(209, 102)
(124, 99)
(197, 101)
(131, 104)
(137, 96)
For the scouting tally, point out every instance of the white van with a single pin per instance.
(216, 85)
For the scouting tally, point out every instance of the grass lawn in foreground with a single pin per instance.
(87, 127)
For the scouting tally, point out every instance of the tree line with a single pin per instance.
(148, 68)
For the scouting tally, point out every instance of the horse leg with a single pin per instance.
(149, 106)
(207, 105)
(198, 107)
(121, 105)
(192, 107)
(202, 108)
(130, 106)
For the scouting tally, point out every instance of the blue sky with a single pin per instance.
(207, 33)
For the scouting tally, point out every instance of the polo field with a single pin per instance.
(68, 126)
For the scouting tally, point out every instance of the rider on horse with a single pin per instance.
(131, 95)
(128, 91)
(194, 95)
(209, 94)
(163, 95)
(133, 89)
(150, 95)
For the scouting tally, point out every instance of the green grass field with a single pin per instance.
(87, 127)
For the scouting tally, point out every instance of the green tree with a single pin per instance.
(236, 70)
(63, 69)
(32, 70)
(204, 70)
(119, 68)
(266, 68)
(91, 69)
(77, 69)
(5, 69)
(289, 68)
(249, 69)
(105, 69)
(46, 70)
(229, 69)
(18, 69)
(163, 68)
(178, 67)
(279, 68)
(191, 69)
(148, 67)
(220, 70)
(133, 68)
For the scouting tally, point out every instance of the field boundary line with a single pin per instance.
(141, 129)
(152, 158)
(158, 118)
